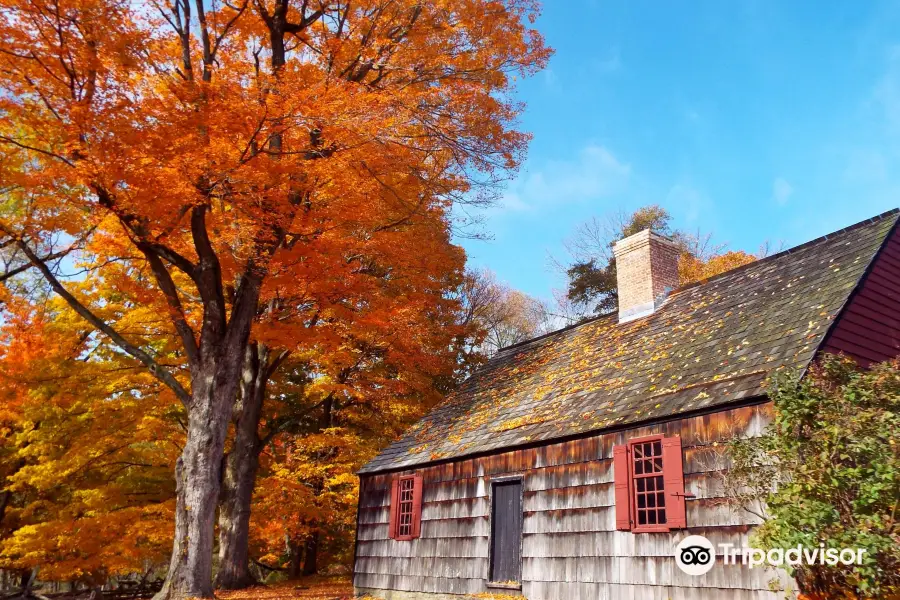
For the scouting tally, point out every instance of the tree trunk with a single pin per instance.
(241, 467)
(198, 475)
(311, 552)
(311, 547)
(296, 554)
(234, 520)
(26, 580)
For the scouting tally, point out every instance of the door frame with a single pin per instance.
(492, 481)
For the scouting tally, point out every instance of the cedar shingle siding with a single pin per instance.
(571, 549)
(551, 410)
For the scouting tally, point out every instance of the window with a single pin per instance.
(649, 488)
(406, 507)
(649, 484)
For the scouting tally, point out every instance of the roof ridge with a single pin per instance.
(554, 332)
(791, 250)
(804, 245)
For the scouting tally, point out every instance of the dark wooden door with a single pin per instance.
(506, 531)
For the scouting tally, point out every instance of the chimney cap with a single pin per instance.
(643, 237)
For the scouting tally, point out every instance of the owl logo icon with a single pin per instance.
(695, 555)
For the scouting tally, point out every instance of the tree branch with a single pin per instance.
(276, 362)
(209, 279)
(133, 225)
(159, 372)
(167, 285)
(49, 153)
(21, 269)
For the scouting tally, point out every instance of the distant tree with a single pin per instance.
(517, 317)
(693, 267)
(591, 276)
(827, 471)
(305, 505)
(496, 315)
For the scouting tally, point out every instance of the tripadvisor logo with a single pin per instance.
(696, 555)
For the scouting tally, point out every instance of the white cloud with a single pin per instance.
(887, 91)
(611, 63)
(866, 166)
(550, 78)
(866, 159)
(782, 190)
(686, 199)
(595, 173)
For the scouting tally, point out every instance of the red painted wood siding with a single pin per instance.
(622, 491)
(673, 471)
(868, 328)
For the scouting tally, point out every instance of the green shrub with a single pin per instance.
(827, 471)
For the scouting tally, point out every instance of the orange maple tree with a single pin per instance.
(90, 438)
(87, 452)
(361, 378)
(245, 171)
(693, 268)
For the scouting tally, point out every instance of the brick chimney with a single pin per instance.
(646, 271)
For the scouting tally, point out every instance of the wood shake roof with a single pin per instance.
(711, 344)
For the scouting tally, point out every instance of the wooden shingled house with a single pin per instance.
(569, 466)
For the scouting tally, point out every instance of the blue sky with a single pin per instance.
(756, 121)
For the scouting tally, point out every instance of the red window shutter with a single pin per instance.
(673, 475)
(395, 506)
(417, 506)
(620, 473)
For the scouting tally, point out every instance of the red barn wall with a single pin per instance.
(571, 548)
(868, 329)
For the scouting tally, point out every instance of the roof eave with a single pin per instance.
(743, 402)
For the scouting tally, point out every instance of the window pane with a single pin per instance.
(405, 509)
